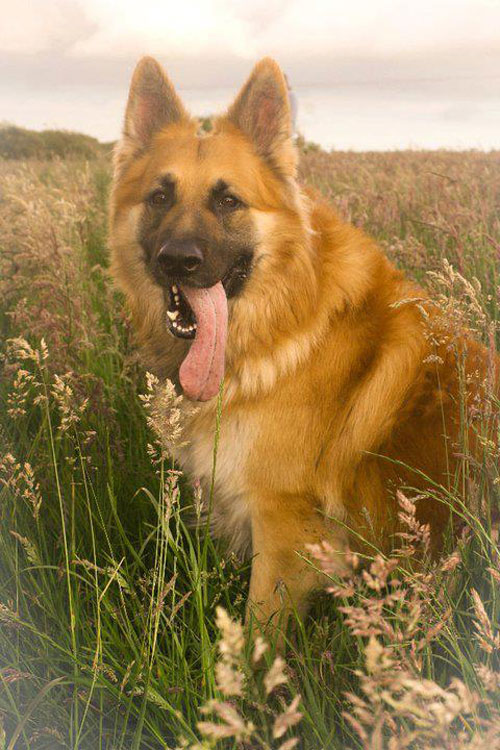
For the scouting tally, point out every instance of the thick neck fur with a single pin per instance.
(312, 270)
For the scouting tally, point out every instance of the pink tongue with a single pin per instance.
(202, 371)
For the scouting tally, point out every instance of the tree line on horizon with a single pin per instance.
(21, 143)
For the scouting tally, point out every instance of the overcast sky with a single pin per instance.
(368, 73)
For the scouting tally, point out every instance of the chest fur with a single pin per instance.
(225, 462)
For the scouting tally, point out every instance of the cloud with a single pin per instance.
(34, 26)
(385, 27)
(180, 29)
(244, 29)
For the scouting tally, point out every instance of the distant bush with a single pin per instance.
(206, 124)
(307, 147)
(20, 143)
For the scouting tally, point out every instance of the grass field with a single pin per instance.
(109, 619)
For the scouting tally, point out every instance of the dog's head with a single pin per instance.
(200, 219)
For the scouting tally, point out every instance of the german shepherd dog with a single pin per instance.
(334, 394)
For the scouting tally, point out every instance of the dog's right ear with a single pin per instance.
(152, 105)
(262, 112)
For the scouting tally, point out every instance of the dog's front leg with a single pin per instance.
(282, 580)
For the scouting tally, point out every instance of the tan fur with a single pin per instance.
(330, 377)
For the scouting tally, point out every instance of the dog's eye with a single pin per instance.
(159, 198)
(228, 201)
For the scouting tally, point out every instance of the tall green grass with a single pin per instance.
(108, 592)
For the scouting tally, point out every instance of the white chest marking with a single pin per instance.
(231, 511)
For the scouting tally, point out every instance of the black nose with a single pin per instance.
(180, 258)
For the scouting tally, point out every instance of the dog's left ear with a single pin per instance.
(152, 105)
(262, 112)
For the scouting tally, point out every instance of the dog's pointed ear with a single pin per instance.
(262, 111)
(152, 103)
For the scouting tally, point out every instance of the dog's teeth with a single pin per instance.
(176, 298)
(175, 288)
(172, 315)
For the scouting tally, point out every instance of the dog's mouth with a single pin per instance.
(181, 320)
(202, 316)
